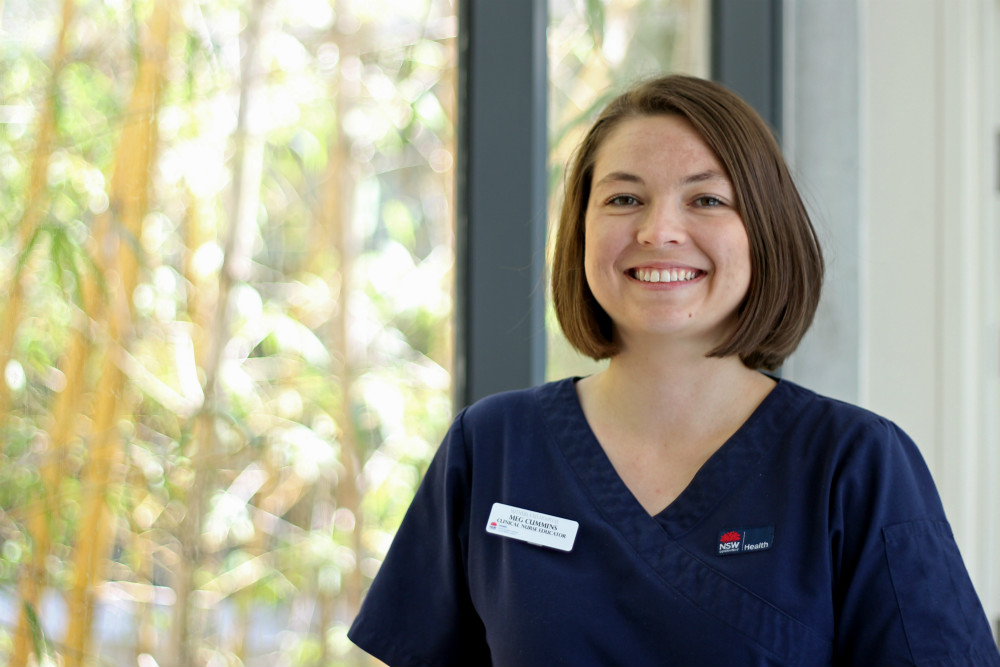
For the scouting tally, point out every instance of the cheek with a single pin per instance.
(602, 242)
(591, 251)
(744, 266)
(599, 260)
(733, 253)
(739, 252)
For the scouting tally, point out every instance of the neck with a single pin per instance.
(678, 393)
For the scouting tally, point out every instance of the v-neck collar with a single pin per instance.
(713, 481)
(675, 564)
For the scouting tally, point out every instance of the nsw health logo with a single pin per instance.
(745, 540)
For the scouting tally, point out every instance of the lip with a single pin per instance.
(664, 275)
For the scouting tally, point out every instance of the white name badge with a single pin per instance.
(533, 527)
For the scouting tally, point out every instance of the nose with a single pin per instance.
(662, 225)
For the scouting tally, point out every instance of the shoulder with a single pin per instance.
(856, 452)
(901, 590)
(808, 402)
(870, 471)
(508, 425)
(834, 421)
(519, 407)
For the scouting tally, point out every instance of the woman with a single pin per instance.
(680, 507)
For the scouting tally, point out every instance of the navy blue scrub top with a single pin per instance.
(814, 536)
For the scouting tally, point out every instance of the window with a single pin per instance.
(226, 228)
(227, 231)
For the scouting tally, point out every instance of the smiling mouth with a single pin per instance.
(664, 276)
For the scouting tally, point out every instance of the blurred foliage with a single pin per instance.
(285, 348)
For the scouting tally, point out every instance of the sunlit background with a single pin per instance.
(226, 240)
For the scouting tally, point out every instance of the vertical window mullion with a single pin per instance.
(501, 197)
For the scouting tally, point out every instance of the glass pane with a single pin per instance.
(596, 48)
(226, 245)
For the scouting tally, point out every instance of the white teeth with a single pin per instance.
(665, 276)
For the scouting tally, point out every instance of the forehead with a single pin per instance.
(655, 142)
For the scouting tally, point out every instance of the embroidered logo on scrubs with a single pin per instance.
(745, 540)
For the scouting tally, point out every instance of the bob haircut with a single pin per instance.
(785, 258)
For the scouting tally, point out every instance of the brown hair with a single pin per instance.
(785, 257)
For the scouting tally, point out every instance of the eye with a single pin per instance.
(708, 201)
(622, 200)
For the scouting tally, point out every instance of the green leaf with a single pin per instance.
(37, 634)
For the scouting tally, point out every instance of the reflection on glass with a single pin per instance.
(596, 48)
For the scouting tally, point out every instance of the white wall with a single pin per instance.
(904, 188)
(821, 138)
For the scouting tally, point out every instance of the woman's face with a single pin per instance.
(666, 252)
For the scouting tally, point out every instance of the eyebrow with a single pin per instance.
(628, 177)
(615, 176)
(707, 175)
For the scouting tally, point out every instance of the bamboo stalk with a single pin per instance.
(336, 216)
(40, 523)
(129, 192)
(246, 176)
(35, 197)
(32, 578)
